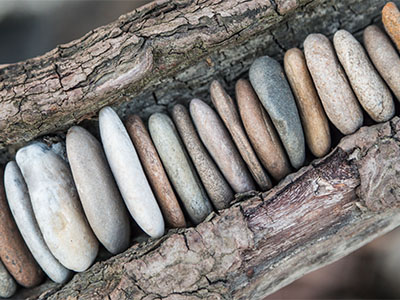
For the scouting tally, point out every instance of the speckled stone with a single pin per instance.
(155, 172)
(370, 89)
(391, 21)
(100, 198)
(269, 82)
(129, 175)
(7, 283)
(57, 208)
(312, 115)
(13, 251)
(337, 97)
(21, 208)
(214, 182)
(179, 167)
(219, 144)
(229, 115)
(261, 131)
(384, 56)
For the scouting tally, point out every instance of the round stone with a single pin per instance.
(214, 182)
(100, 198)
(370, 89)
(179, 167)
(56, 206)
(219, 144)
(129, 175)
(229, 115)
(7, 283)
(269, 83)
(337, 97)
(312, 115)
(21, 208)
(155, 172)
(391, 21)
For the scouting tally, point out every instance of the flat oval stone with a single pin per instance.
(269, 83)
(13, 251)
(57, 208)
(214, 182)
(370, 89)
(21, 208)
(229, 115)
(312, 115)
(7, 283)
(384, 56)
(391, 21)
(155, 172)
(261, 131)
(100, 198)
(129, 174)
(219, 144)
(179, 167)
(337, 97)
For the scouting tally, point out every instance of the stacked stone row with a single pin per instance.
(54, 214)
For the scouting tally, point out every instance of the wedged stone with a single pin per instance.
(99, 195)
(384, 56)
(56, 206)
(179, 167)
(155, 172)
(391, 21)
(21, 208)
(7, 283)
(214, 182)
(371, 91)
(129, 175)
(219, 144)
(312, 115)
(269, 82)
(229, 115)
(337, 97)
(261, 131)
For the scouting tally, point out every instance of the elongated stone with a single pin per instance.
(219, 144)
(337, 97)
(229, 115)
(370, 89)
(57, 208)
(13, 251)
(214, 182)
(21, 208)
(261, 131)
(100, 198)
(384, 56)
(391, 21)
(7, 283)
(129, 174)
(155, 172)
(179, 167)
(312, 115)
(269, 82)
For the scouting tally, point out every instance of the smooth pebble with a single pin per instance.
(7, 283)
(391, 21)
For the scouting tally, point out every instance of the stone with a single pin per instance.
(230, 116)
(371, 91)
(312, 115)
(22, 211)
(98, 192)
(269, 82)
(337, 97)
(56, 206)
(179, 167)
(155, 172)
(261, 131)
(391, 21)
(129, 175)
(13, 252)
(384, 57)
(219, 144)
(217, 187)
(7, 283)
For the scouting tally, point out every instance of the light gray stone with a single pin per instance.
(7, 283)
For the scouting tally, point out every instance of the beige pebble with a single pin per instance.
(391, 21)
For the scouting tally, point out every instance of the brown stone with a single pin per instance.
(13, 251)
(261, 131)
(155, 172)
(229, 115)
(391, 21)
(217, 187)
(313, 118)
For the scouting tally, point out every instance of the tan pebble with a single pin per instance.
(391, 21)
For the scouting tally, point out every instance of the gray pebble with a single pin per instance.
(7, 283)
